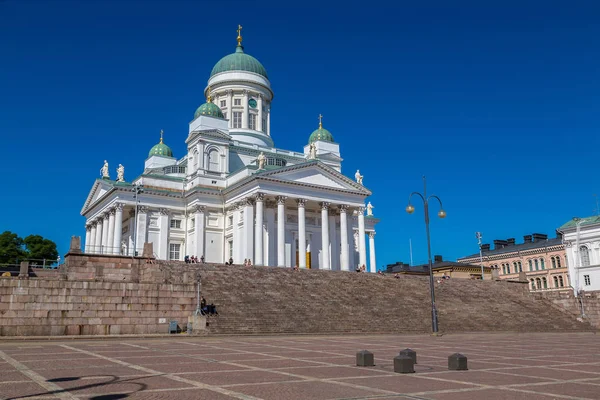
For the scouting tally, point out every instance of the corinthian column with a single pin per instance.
(344, 238)
(98, 241)
(301, 233)
(88, 232)
(91, 247)
(325, 236)
(104, 242)
(362, 251)
(258, 230)
(199, 230)
(281, 231)
(118, 228)
(111, 232)
(373, 264)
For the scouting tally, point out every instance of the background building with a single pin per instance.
(541, 259)
(582, 241)
(442, 267)
(234, 194)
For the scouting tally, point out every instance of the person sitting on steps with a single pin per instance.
(230, 260)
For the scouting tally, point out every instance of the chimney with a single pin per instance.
(437, 259)
(499, 244)
(485, 247)
(527, 239)
(559, 234)
(510, 242)
(539, 237)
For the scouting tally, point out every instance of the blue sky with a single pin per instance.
(496, 102)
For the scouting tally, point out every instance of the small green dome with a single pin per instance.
(210, 109)
(320, 134)
(161, 149)
(239, 61)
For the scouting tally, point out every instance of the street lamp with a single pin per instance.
(478, 235)
(442, 214)
(137, 190)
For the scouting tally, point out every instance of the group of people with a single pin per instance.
(209, 309)
(193, 260)
(362, 268)
(247, 262)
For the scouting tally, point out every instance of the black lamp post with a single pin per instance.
(442, 214)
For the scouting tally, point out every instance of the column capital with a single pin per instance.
(163, 211)
(132, 213)
(371, 235)
(281, 199)
(229, 92)
(245, 92)
(343, 208)
(324, 205)
(88, 227)
(142, 209)
(361, 210)
(301, 202)
(119, 206)
(106, 214)
(259, 197)
(248, 201)
(112, 211)
(198, 208)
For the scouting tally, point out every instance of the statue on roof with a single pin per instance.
(261, 160)
(104, 170)
(358, 177)
(370, 209)
(312, 152)
(120, 173)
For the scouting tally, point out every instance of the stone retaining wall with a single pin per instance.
(568, 302)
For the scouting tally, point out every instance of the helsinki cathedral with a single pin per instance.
(235, 194)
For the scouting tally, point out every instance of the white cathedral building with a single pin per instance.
(234, 194)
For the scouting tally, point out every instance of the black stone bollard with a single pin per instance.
(365, 359)
(457, 362)
(404, 364)
(409, 352)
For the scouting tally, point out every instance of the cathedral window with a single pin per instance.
(584, 255)
(174, 251)
(542, 263)
(176, 223)
(537, 267)
(587, 281)
(553, 262)
(520, 266)
(237, 119)
(237, 102)
(545, 283)
(560, 281)
(264, 125)
(530, 265)
(223, 103)
(252, 121)
(213, 160)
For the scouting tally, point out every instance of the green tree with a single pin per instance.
(11, 248)
(39, 248)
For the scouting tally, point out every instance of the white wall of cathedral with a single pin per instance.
(206, 122)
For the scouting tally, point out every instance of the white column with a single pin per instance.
(140, 234)
(334, 249)
(118, 228)
(105, 227)
(271, 243)
(301, 233)
(373, 263)
(269, 121)
(98, 241)
(248, 230)
(345, 266)
(237, 240)
(281, 231)
(88, 231)
(245, 108)
(325, 236)
(229, 109)
(199, 230)
(258, 230)
(92, 246)
(259, 123)
(362, 250)
(162, 251)
(111, 232)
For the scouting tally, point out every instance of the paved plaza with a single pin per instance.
(501, 366)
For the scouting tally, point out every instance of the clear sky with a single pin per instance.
(496, 102)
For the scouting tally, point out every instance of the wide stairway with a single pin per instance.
(279, 300)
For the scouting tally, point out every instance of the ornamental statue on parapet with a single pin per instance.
(358, 177)
(261, 160)
(120, 173)
(104, 170)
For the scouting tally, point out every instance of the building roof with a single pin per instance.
(424, 268)
(518, 247)
(584, 221)
(239, 61)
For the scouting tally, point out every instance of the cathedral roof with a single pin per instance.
(239, 61)
(160, 149)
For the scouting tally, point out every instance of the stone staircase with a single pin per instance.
(258, 300)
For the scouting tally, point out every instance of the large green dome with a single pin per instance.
(239, 61)
(210, 109)
(161, 149)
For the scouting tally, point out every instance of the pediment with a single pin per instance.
(315, 174)
(99, 189)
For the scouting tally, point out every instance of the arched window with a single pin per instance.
(545, 283)
(538, 283)
(503, 269)
(532, 284)
(553, 262)
(555, 281)
(520, 267)
(542, 263)
(537, 267)
(584, 256)
(530, 265)
(557, 261)
(508, 268)
(213, 161)
(560, 281)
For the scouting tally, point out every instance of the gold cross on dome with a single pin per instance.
(161, 135)
(320, 121)
(239, 32)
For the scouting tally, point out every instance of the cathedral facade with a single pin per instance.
(234, 195)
